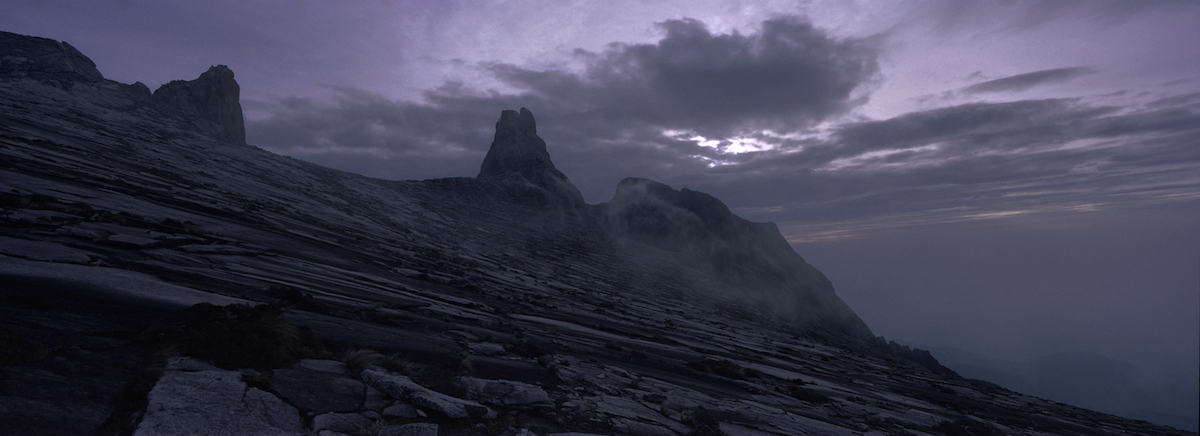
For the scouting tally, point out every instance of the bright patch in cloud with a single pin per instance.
(711, 162)
(735, 145)
(879, 159)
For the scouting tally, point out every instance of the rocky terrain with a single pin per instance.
(160, 276)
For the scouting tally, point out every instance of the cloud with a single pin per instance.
(366, 133)
(1022, 82)
(983, 158)
(672, 111)
(789, 74)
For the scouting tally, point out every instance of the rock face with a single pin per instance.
(217, 403)
(503, 324)
(27, 54)
(210, 103)
(753, 257)
(518, 158)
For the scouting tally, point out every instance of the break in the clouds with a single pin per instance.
(788, 75)
(737, 115)
(1022, 82)
(656, 101)
(1003, 176)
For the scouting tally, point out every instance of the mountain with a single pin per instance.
(1087, 380)
(158, 275)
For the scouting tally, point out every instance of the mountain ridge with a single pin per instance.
(115, 211)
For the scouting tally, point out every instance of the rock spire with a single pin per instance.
(518, 158)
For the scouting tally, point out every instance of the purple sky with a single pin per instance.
(1015, 178)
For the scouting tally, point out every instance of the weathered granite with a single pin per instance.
(401, 387)
(215, 403)
(505, 393)
(324, 389)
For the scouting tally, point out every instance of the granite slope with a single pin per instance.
(465, 306)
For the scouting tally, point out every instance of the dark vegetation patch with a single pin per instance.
(440, 378)
(291, 298)
(703, 423)
(805, 394)
(16, 348)
(237, 336)
(723, 368)
(532, 349)
(133, 399)
(965, 427)
(358, 361)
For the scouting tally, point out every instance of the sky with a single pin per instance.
(1014, 178)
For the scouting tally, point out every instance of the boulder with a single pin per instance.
(401, 387)
(401, 410)
(348, 423)
(215, 403)
(506, 393)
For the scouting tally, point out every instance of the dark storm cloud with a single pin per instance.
(788, 75)
(930, 166)
(610, 120)
(1022, 82)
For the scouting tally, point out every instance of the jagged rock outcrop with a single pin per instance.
(28, 54)
(518, 159)
(752, 257)
(209, 103)
(105, 226)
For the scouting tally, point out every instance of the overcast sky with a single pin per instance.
(1016, 178)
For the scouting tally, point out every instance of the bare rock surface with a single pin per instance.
(215, 403)
(505, 393)
(402, 387)
(518, 159)
(640, 316)
(24, 54)
(346, 423)
(318, 386)
(210, 103)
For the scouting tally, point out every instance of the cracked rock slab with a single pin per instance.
(348, 423)
(215, 403)
(401, 387)
(506, 393)
(313, 388)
